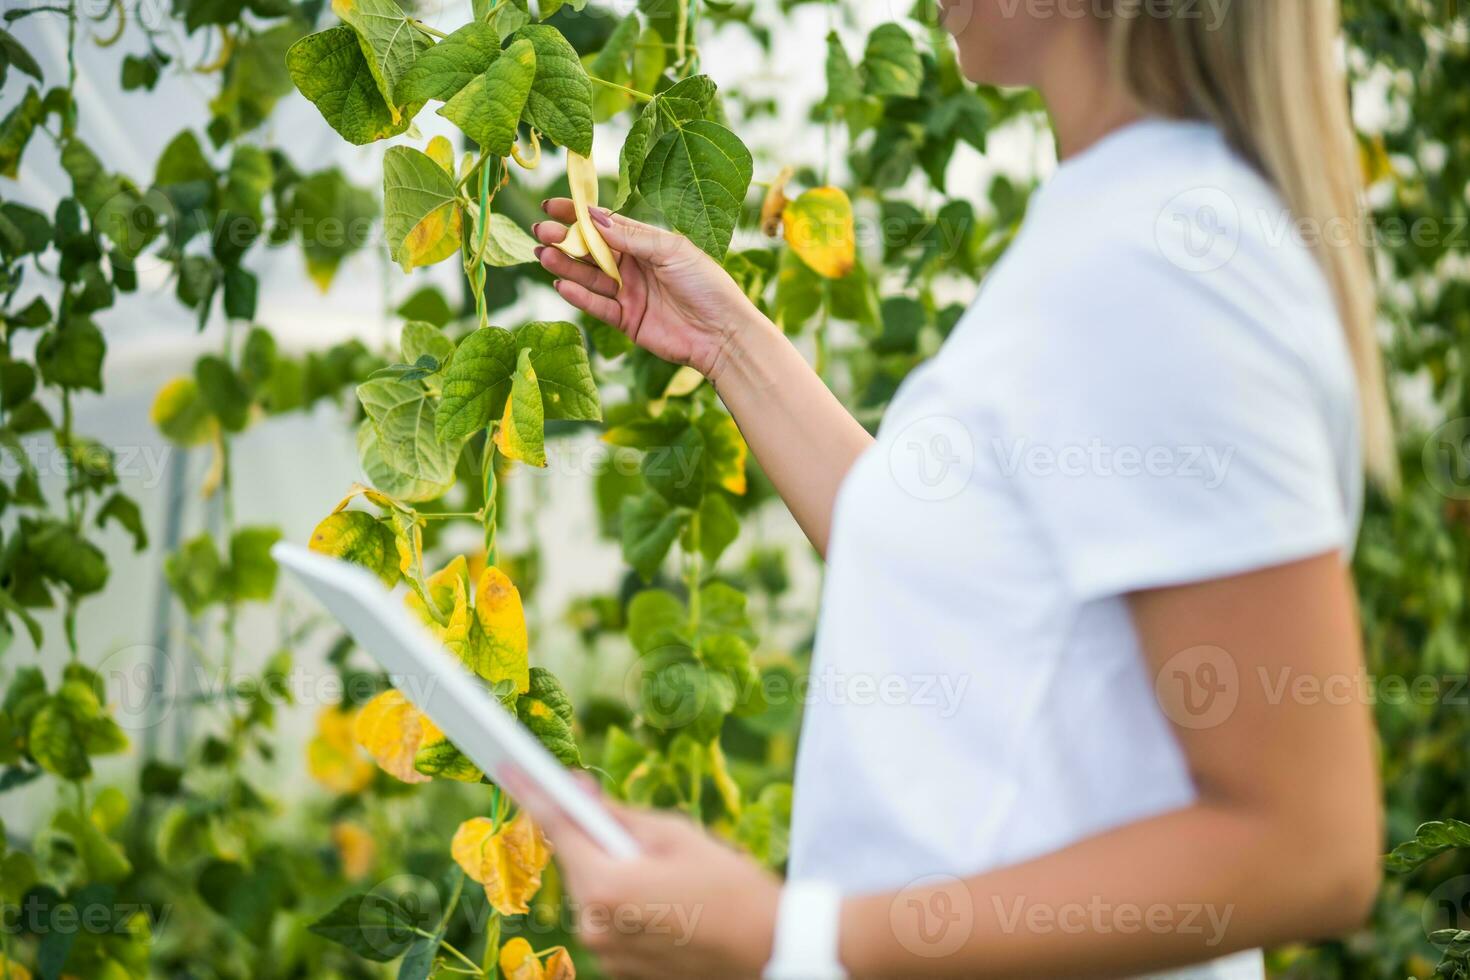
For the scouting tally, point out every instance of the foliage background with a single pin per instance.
(244, 803)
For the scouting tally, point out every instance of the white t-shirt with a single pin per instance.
(1152, 389)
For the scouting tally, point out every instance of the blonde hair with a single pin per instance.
(1267, 74)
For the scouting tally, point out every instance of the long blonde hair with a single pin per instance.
(1267, 74)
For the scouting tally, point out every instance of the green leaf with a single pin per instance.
(360, 538)
(329, 68)
(507, 244)
(395, 483)
(649, 527)
(559, 355)
(1430, 840)
(16, 129)
(448, 66)
(696, 175)
(404, 417)
(718, 527)
(676, 470)
(196, 574)
(335, 219)
(420, 339)
(252, 569)
(101, 856)
(18, 57)
(891, 65)
(372, 926)
(488, 109)
(844, 84)
(428, 304)
(614, 62)
(547, 712)
(223, 391)
(247, 898)
(389, 42)
(65, 556)
(685, 101)
(560, 103)
(71, 355)
(55, 741)
(477, 383)
(656, 619)
(123, 510)
(418, 206)
(521, 434)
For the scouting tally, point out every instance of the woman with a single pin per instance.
(1113, 515)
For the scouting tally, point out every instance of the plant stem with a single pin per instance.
(641, 96)
(427, 29)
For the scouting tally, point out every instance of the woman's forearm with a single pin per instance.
(803, 437)
(1188, 886)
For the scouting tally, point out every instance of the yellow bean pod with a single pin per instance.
(582, 176)
(532, 160)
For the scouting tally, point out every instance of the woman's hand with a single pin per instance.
(676, 301)
(688, 906)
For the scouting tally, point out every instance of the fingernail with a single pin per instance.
(535, 228)
(557, 285)
(537, 251)
(602, 217)
(546, 206)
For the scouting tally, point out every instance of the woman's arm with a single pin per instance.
(1262, 675)
(805, 439)
(680, 304)
(1283, 843)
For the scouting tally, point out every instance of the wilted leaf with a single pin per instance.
(391, 729)
(508, 862)
(420, 213)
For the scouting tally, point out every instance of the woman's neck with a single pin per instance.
(1083, 95)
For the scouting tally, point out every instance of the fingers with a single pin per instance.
(549, 232)
(602, 307)
(654, 830)
(623, 234)
(560, 209)
(564, 266)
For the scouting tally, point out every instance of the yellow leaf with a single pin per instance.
(368, 493)
(1373, 157)
(322, 270)
(821, 230)
(775, 203)
(437, 756)
(559, 965)
(441, 151)
(725, 451)
(518, 961)
(508, 862)
(332, 757)
(356, 849)
(179, 412)
(502, 621)
(360, 538)
(433, 239)
(448, 590)
(391, 729)
(14, 971)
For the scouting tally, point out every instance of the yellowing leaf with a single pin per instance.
(448, 590)
(356, 849)
(502, 622)
(821, 230)
(522, 431)
(367, 493)
(441, 151)
(724, 451)
(180, 413)
(358, 537)
(508, 862)
(437, 756)
(433, 239)
(391, 729)
(332, 758)
(518, 961)
(11, 970)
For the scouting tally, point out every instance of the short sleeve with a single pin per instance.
(1161, 432)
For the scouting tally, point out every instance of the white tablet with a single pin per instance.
(441, 687)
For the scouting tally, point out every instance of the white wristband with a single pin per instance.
(805, 944)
